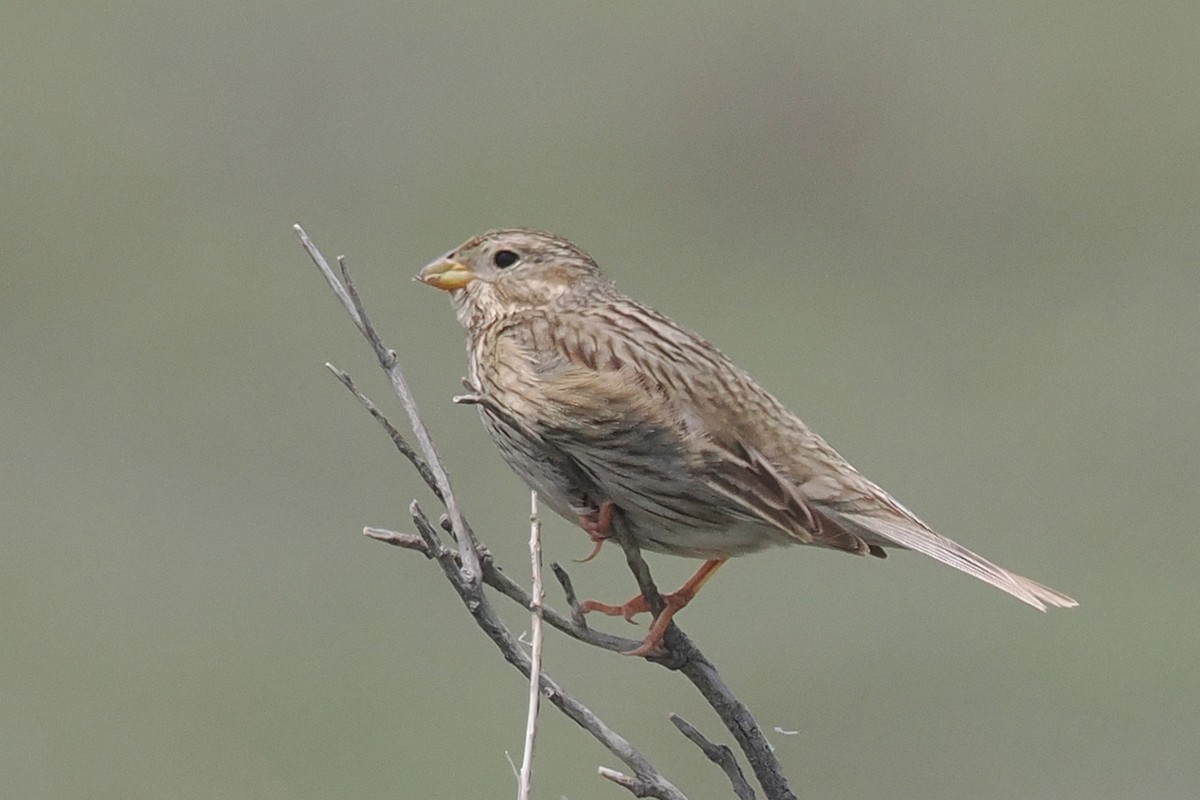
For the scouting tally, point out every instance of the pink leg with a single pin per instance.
(675, 601)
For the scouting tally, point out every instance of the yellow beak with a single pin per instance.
(446, 274)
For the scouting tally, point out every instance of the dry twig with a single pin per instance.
(535, 648)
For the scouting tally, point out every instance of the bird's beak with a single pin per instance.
(446, 274)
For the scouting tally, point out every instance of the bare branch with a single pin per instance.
(409, 541)
(347, 293)
(737, 719)
(397, 438)
(330, 277)
(569, 590)
(719, 754)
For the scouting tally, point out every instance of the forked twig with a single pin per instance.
(347, 293)
(719, 754)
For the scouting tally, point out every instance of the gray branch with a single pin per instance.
(719, 754)
(347, 293)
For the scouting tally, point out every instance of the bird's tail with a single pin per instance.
(914, 535)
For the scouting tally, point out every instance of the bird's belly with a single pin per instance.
(736, 539)
(556, 486)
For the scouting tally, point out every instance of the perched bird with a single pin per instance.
(617, 415)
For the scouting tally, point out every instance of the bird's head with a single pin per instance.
(506, 271)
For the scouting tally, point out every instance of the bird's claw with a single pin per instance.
(473, 397)
(599, 542)
(598, 525)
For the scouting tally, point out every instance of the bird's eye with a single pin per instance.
(505, 258)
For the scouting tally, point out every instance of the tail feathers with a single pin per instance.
(915, 536)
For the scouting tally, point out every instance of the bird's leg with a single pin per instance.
(673, 603)
(598, 526)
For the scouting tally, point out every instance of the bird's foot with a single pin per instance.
(598, 526)
(672, 604)
(652, 644)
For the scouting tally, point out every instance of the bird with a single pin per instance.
(615, 414)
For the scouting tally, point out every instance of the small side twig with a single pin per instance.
(397, 438)
(568, 588)
(719, 754)
(408, 541)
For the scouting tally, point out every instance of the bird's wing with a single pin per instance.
(747, 479)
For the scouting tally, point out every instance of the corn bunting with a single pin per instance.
(617, 415)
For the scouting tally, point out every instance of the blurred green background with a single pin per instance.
(961, 240)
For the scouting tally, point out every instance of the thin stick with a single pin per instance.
(525, 781)
(347, 293)
(397, 438)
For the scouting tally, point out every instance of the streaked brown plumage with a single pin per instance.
(611, 410)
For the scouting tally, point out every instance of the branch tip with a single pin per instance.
(719, 754)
